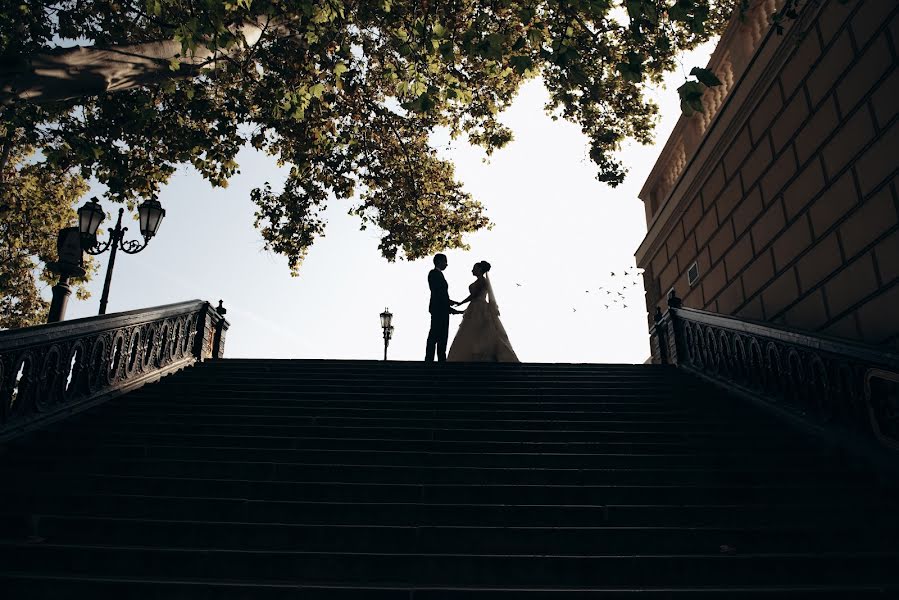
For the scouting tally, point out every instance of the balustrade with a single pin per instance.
(49, 371)
(826, 382)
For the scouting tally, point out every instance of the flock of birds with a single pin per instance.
(614, 293)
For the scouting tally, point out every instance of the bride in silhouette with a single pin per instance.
(481, 336)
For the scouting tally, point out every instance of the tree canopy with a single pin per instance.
(345, 92)
(38, 203)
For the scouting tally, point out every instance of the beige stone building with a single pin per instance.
(778, 203)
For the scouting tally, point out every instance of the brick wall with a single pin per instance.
(798, 222)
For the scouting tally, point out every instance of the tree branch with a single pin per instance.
(4, 159)
(71, 73)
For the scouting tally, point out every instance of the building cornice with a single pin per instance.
(747, 59)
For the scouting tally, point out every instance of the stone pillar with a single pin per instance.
(61, 292)
(221, 329)
(211, 329)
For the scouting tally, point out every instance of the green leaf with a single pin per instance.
(633, 69)
(634, 8)
(526, 15)
(521, 64)
(691, 97)
(536, 36)
(447, 52)
(678, 13)
(705, 77)
(422, 104)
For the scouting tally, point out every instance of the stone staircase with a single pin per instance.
(333, 479)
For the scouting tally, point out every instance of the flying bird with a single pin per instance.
(624, 305)
(518, 284)
(613, 274)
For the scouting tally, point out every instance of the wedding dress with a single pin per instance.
(481, 336)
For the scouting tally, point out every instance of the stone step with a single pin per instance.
(395, 392)
(361, 405)
(445, 422)
(44, 585)
(372, 454)
(457, 493)
(780, 512)
(263, 364)
(432, 474)
(361, 479)
(365, 441)
(636, 432)
(429, 539)
(662, 403)
(650, 568)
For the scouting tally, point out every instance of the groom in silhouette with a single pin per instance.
(441, 309)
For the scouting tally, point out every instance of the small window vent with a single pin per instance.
(692, 274)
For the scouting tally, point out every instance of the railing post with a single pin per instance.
(211, 328)
(221, 328)
(201, 345)
(659, 339)
(672, 329)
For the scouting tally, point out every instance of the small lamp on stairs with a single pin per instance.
(386, 319)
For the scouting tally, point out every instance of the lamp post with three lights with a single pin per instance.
(73, 241)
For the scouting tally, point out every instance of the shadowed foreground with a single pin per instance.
(328, 479)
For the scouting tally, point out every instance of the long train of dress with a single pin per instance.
(481, 336)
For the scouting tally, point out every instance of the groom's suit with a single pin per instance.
(440, 314)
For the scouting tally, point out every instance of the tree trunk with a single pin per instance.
(81, 71)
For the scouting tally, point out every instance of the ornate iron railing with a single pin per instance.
(50, 371)
(830, 384)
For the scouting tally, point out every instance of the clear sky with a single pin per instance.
(558, 236)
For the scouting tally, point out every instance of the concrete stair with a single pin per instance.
(350, 479)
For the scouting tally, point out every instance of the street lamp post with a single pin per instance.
(89, 218)
(69, 264)
(386, 320)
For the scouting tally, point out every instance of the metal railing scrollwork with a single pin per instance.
(832, 384)
(50, 371)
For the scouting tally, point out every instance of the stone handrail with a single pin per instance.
(845, 390)
(50, 371)
(730, 59)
